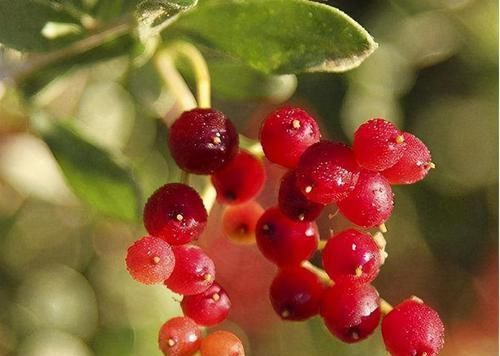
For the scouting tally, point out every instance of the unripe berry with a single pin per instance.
(208, 308)
(239, 222)
(222, 343)
(179, 336)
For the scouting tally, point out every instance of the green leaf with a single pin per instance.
(92, 173)
(278, 36)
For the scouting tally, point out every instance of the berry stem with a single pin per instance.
(318, 271)
(321, 244)
(385, 307)
(184, 177)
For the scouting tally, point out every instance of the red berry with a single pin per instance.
(296, 293)
(208, 308)
(351, 311)
(240, 180)
(175, 213)
(239, 221)
(413, 328)
(202, 141)
(378, 145)
(413, 166)
(286, 133)
(327, 172)
(179, 336)
(284, 241)
(222, 343)
(371, 202)
(194, 271)
(293, 203)
(351, 256)
(150, 260)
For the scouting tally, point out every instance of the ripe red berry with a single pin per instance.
(194, 271)
(327, 172)
(208, 308)
(179, 336)
(296, 293)
(240, 180)
(413, 328)
(293, 203)
(286, 133)
(150, 260)
(222, 343)
(284, 241)
(351, 311)
(239, 222)
(413, 166)
(371, 202)
(351, 256)
(202, 141)
(175, 213)
(378, 145)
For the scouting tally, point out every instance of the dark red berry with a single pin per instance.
(222, 343)
(286, 133)
(175, 213)
(150, 260)
(413, 328)
(240, 180)
(194, 271)
(413, 166)
(371, 202)
(296, 293)
(208, 308)
(293, 203)
(351, 311)
(378, 145)
(202, 141)
(179, 336)
(239, 222)
(351, 256)
(284, 241)
(327, 172)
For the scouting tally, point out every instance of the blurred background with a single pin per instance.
(64, 289)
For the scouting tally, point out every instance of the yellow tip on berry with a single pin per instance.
(417, 299)
(308, 189)
(216, 297)
(265, 227)
(285, 314)
(296, 124)
(179, 217)
(400, 139)
(156, 260)
(431, 165)
(382, 228)
(216, 140)
(208, 277)
(359, 271)
(171, 342)
(355, 335)
(301, 217)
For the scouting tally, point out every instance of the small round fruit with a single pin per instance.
(413, 328)
(351, 311)
(194, 271)
(179, 336)
(371, 202)
(413, 166)
(240, 180)
(175, 213)
(327, 172)
(296, 294)
(150, 260)
(378, 145)
(202, 141)
(239, 222)
(286, 133)
(222, 343)
(208, 308)
(351, 256)
(284, 241)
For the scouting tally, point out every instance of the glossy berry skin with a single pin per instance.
(175, 213)
(378, 144)
(286, 133)
(327, 172)
(351, 256)
(371, 202)
(413, 166)
(239, 222)
(194, 271)
(179, 336)
(202, 141)
(240, 180)
(293, 203)
(296, 294)
(221, 343)
(208, 308)
(413, 328)
(351, 311)
(283, 241)
(150, 260)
